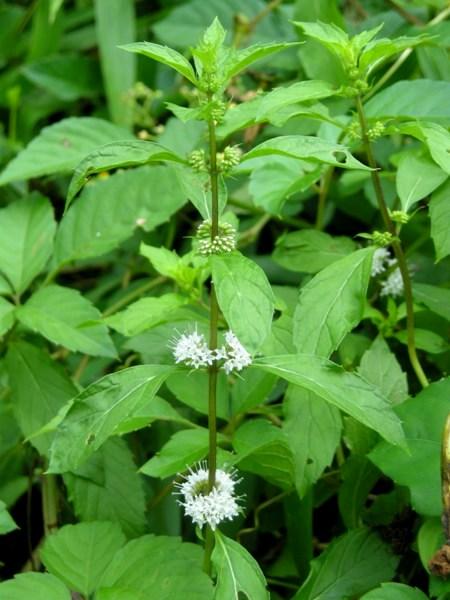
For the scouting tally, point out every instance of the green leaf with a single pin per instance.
(351, 565)
(310, 251)
(395, 591)
(332, 303)
(184, 448)
(145, 314)
(349, 392)
(109, 210)
(330, 36)
(440, 216)
(251, 388)
(435, 298)
(418, 98)
(425, 340)
(39, 586)
(237, 571)
(96, 489)
(7, 523)
(65, 317)
(313, 428)
(423, 419)
(192, 389)
(79, 554)
(307, 148)
(242, 59)
(380, 366)
(435, 137)
(358, 477)
(263, 449)
(95, 413)
(197, 188)
(39, 387)
(60, 147)
(115, 24)
(301, 91)
(245, 297)
(117, 154)
(157, 409)
(377, 51)
(417, 177)
(7, 311)
(28, 227)
(158, 568)
(164, 55)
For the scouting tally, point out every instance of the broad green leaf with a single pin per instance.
(145, 314)
(359, 476)
(394, 591)
(115, 24)
(197, 188)
(251, 388)
(435, 137)
(238, 574)
(417, 177)
(108, 488)
(332, 303)
(40, 387)
(440, 217)
(380, 366)
(263, 449)
(95, 413)
(164, 55)
(332, 37)
(65, 317)
(128, 153)
(307, 148)
(378, 51)
(28, 227)
(7, 523)
(60, 147)
(310, 251)
(157, 409)
(300, 91)
(184, 448)
(159, 568)
(242, 59)
(423, 419)
(435, 298)
(245, 297)
(351, 565)
(109, 210)
(115, 593)
(79, 554)
(192, 389)
(39, 586)
(349, 392)
(429, 539)
(425, 340)
(313, 428)
(68, 77)
(6, 316)
(418, 98)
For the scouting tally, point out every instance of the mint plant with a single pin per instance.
(223, 358)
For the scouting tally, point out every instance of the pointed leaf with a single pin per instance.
(435, 298)
(417, 177)
(301, 91)
(7, 311)
(39, 586)
(7, 523)
(244, 58)
(440, 218)
(395, 591)
(164, 55)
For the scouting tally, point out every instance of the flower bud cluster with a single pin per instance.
(376, 131)
(223, 242)
(399, 216)
(197, 160)
(382, 238)
(229, 158)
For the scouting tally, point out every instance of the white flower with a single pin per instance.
(380, 258)
(234, 354)
(192, 350)
(393, 286)
(208, 508)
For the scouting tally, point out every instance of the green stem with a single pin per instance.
(49, 503)
(213, 328)
(323, 193)
(396, 246)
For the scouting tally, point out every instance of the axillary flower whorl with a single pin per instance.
(223, 242)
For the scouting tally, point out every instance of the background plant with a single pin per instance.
(326, 164)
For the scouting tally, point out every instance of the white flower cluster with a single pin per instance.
(208, 508)
(192, 350)
(381, 258)
(393, 286)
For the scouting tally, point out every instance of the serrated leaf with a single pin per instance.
(245, 297)
(79, 554)
(7, 523)
(143, 565)
(440, 218)
(238, 574)
(300, 91)
(165, 55)
(39, 586)
(423, 418)
(332, 303)
(349, 392)
(65, 317)
(329, 35)
(394, 591)
(242, 59)
(417, 177)
(39, 388)
(127, 153)
(7, 311)
(351, 565)
(433, 297)
(28, 227)
(377, 51)
(307, 148)
(60, 147)
(310, 251)
(97, 487)
(436, 139)
(95, 413)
